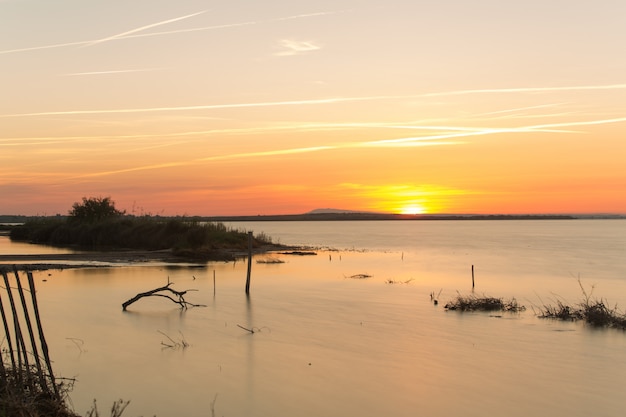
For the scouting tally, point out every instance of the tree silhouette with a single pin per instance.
(94, 209)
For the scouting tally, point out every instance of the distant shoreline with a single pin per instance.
(401, 217)
(353, 216)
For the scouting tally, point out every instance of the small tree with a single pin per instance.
(94, 209)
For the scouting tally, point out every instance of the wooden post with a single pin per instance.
(42, 338)
(6, 330)
(472, 276)
(249, 262)
(214, 283)
(31, 334)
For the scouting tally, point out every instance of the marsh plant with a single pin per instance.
(591, 310)
(473, 302)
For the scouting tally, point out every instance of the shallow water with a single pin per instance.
(326, 344)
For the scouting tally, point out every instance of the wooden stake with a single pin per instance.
(6, 329)
(31, 334)
(214, 283)
(472, 276)
(42, 338)
(249, 262)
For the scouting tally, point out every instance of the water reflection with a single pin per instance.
(334, 346)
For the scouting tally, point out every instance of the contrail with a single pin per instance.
(585, 123)
(36, 48)
(142, 28)
(300, 16)
(540, 106)
(432, 140)
(199, 29)
(183, 108)
(210, 158)
(267, 153)
(133, 33)
(311, 101)
(526, 90)
(140, 35)
(112, 72)
(226, 25)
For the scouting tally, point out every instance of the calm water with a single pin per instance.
(329, 345)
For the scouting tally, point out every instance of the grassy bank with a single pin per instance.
(188, 239)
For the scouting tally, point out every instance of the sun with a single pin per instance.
(413, 209)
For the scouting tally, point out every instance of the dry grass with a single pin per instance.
(591, 310)
(21, 399)
(117, 409)
(475, 303)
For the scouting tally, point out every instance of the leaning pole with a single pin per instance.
(249, 262)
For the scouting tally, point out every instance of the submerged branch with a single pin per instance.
(177, 297)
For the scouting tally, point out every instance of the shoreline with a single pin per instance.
(42, 262)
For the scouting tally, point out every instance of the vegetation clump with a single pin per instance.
(592, 311)
(95, 224)
(18, 399)
(484, 303)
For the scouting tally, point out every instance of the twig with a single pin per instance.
(246, 329)
(183, 343)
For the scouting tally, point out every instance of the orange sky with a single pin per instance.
(235, 108)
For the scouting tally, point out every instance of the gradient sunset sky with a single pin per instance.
(274, 107)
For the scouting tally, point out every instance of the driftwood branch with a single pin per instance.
(177, 297)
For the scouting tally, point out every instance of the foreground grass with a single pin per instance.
(185, 238)
(19, 398)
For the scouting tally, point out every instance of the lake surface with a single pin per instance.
(329, 345)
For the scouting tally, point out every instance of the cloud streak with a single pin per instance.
(331, 100)
(112, 72)
(526, 90)
(142, 28)
(133, 33)
(291, 47)
(187, 108)
(412, 141)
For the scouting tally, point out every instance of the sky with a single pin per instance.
(245, 107)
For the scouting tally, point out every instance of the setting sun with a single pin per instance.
(413, 209)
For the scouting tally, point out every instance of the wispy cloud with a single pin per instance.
(300, 16)
(112, 72)
(291, 47)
